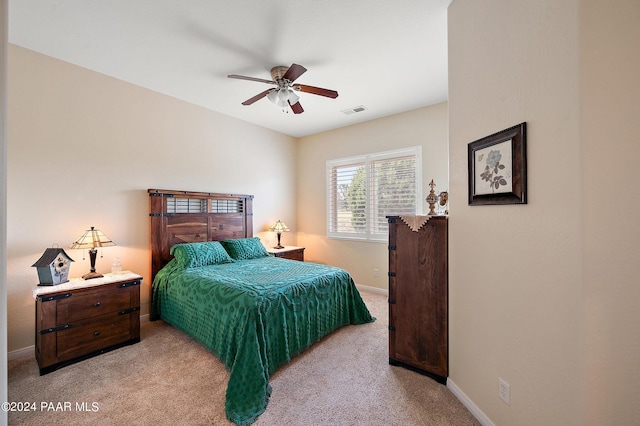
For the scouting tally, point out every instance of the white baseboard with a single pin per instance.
(473, 408)
(31, 350)
(28, 351)
(373, 289)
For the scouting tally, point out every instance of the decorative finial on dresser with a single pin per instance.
(432, 199)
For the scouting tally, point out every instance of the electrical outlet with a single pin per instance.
(376, 272)
(503, 390)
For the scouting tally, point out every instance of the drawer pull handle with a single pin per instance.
(53, 329)
(96, 304)
(129, 284)
(96, 333)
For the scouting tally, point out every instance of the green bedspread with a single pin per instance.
(256, 315)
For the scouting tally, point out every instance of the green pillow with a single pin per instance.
(245, 248)
(194, 255)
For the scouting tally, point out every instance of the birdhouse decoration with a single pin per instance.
(53, 267)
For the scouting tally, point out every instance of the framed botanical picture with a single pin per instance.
(498, 168)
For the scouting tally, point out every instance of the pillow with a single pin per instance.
(245, 248)
(193, 255)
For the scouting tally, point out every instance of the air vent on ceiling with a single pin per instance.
(353, 110)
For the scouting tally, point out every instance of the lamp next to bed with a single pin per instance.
(279, 227)
(91, 239)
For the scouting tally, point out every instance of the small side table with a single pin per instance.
(288, 252)
(80, 319)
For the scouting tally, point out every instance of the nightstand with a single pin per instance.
(288, 252)
(80, 319)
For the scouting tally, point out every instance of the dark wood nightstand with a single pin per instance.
(288, 252)
(80, 319)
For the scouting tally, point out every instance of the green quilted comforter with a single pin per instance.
(256, 315)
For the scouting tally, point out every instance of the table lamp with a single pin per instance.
(279, 228)
(91, 239)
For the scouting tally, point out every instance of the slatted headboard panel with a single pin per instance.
(187, 217)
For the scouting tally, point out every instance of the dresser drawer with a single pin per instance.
(92, 303)
(92, 335)
(295, 255)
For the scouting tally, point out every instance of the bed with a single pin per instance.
(213, 280)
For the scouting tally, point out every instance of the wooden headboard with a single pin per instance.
(187, 217)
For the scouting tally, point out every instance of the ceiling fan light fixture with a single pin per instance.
(273, 96)
(283, 95)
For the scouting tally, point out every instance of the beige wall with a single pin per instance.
(610, 129)
(544, 295)
(84, 148)
(426, 127)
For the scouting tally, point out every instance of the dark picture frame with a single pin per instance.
(498, 168)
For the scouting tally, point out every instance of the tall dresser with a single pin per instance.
(418, 294)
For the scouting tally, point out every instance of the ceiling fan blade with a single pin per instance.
(257, 97)
(294, 72)
(244, 77)
(296, 108)
(316, 90)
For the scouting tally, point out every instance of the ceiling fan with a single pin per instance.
(283, 94)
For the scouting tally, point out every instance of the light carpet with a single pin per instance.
(168, 378)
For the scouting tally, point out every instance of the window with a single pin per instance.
(362, 191)
(177, 205)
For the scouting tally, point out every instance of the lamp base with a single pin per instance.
(279, 246)
(92, 275)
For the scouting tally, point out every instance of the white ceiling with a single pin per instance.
(390, 56)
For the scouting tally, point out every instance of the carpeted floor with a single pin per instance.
(168, 378)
